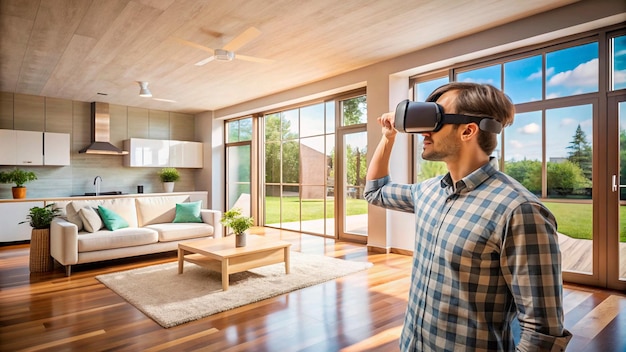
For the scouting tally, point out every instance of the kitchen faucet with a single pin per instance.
(97, 184)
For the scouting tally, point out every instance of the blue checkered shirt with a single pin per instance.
(485, 251)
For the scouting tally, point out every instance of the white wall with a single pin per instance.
(388, 83)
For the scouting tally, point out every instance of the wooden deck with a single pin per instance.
(577, 255)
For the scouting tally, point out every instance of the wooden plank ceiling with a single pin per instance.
(75, 49)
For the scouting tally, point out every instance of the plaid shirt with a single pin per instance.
(484, 253)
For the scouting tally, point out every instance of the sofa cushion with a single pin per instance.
(72, 215)
(124, 207)
(105, 239)
(181, 231)
(112, 221)
(159, 209)
(188, 212)
(91, 219)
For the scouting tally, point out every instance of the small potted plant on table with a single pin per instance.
(39, 219)
(19, 178)
(169, 176)
(238, 223)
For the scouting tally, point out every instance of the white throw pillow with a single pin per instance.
(91, 219)
(73, 216)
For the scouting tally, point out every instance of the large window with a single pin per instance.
(238, 164)
(554, 146)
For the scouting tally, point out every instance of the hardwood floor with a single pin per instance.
(359, 312)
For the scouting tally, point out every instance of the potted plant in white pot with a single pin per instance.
(39, 219)
(19, 177)
(169, 175)
(238, 223)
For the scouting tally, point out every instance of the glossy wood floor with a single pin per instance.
(359, 312)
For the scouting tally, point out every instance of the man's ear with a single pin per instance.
(469, 131)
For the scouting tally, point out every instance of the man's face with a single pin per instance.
(444, 144)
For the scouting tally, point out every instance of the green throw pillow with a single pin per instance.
(188, 212)
(111, 220)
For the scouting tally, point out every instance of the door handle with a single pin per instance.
(614, 188)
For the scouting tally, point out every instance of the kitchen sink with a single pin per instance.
(93, 194)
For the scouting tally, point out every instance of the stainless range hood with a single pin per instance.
(100, 132)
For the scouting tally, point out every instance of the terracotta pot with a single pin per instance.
(19, 192)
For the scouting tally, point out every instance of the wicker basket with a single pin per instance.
(40, 259)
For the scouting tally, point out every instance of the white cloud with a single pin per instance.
(534, 76)
(568, 122)
(553, 95)
(619, 77)
(620, 53)
(585, 74)
(516, 144)
(531, 128)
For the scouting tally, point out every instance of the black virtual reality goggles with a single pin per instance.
(420, 117)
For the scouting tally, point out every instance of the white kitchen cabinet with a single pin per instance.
(56, 148)
(146, 152)
(29, 148)
(11, 214)
(25, 148)
(186, 154)
(7, 147)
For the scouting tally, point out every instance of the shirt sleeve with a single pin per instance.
(531, 265)
(384, 193)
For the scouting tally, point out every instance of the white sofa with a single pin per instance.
(150, 229)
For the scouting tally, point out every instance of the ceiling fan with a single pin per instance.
(227, 53)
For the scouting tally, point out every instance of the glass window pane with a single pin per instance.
(619, 63)
(313, 203)
(290, 214)
(522, 150)
(290, 127)
(621, 111)
(273, 127)
(272, 205)
(330, 116)
(245, 129)
(239, 163)
(354, 111)
(312, 120)
(423, 89)
(272, 162)
(572, 71)
(489, 75)
(291, 162)
(523, 79)
(232, 131)
(313, 161)
(569, 151)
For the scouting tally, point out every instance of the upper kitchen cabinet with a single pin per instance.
(21, 148)
(146, 152)
(56, 148)
(160, 153)
(186, 154)
(26, 148)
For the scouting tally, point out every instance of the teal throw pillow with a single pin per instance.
(188, 212)
(111, 220)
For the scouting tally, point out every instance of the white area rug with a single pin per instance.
(171, 299)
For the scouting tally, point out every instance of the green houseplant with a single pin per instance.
(39, 219)
(19, 177)
(238, 223)
(169, 175)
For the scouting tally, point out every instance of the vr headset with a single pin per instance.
(419, 117)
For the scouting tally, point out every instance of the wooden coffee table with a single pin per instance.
(221, 255)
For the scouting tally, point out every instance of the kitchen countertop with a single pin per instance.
(127, 195)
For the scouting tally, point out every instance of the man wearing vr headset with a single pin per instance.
(486, 249)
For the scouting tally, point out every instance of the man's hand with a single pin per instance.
(387, 121)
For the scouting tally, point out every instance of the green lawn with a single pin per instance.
(573, 220)
(312, 209)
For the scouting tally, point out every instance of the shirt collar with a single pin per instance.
(474, 179)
